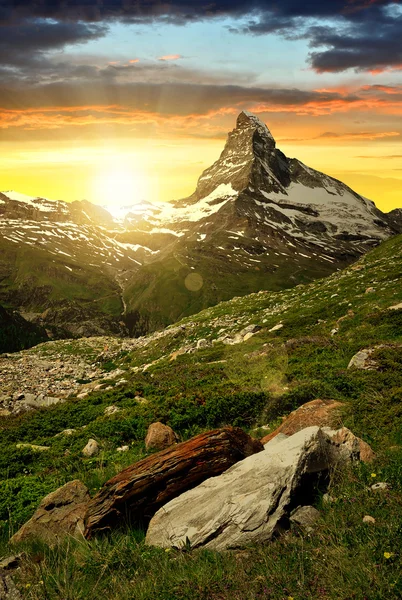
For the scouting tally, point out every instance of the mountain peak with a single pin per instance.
(247, 120)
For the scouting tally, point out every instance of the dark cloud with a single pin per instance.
(165, 99)
(26, 42)
(183, 10)
(343, 34)
(371, 43)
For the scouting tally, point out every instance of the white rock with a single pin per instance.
(276, 327)
(250, 329)
(369, 520)
(380, 486)
(248, 336)
(123, 449)
(111, 410)
(203, 343)
(248, 502)
(91, 449)
(65, 432)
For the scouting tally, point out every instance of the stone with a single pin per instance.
(276, 327)
(159, 437)
(111, 410)
(8, 589)
(350, 445)
(33, 447)
(380, 486)
(253, 329)
(39, 401)
(249, 503)
(60, 514)
(369, 290)
(66, 432)
(116, 373)
(10, 563)
(316, 412)
(362, 359)
(100, 386)
(369, 520)
(202, 344)
(396, 306)
(141, 489)
(248, 335)
(305, 517)
(91, 449)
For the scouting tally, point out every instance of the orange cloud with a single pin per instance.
(360, 135)
(380, 70)
(62, 116)
(387, 89)
(134, 60)
(170, 57)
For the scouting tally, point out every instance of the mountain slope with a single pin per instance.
(17, 334)
(199, 374)
(256, 221)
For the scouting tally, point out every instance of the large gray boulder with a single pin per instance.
(252, 500)
(59, 515)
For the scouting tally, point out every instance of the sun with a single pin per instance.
(119, 186)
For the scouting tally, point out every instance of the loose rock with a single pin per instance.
(305, 517)
(380, 486)
(317, 412)
(159, 437)
(111, 410)
(91, 449)
(8, 589)
(369, 520)
(60, 514)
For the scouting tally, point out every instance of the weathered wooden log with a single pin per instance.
(136, 493)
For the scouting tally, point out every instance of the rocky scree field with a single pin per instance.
(246, 362)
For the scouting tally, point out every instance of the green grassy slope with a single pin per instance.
(250, 384)
(162, 292)
(35, 279)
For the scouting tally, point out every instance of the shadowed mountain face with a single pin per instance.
(257, 220)
(17, 334)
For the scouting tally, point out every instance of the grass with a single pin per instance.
(343, 558)
(250, 384)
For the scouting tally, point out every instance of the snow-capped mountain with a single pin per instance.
(257, 220)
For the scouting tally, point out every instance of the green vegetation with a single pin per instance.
(249, 384)
(71, 291)
(159, 294)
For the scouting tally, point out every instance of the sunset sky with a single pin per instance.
(123, 100)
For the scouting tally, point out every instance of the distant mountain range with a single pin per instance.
(257, 220)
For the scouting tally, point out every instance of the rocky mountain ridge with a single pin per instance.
(257, 220)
